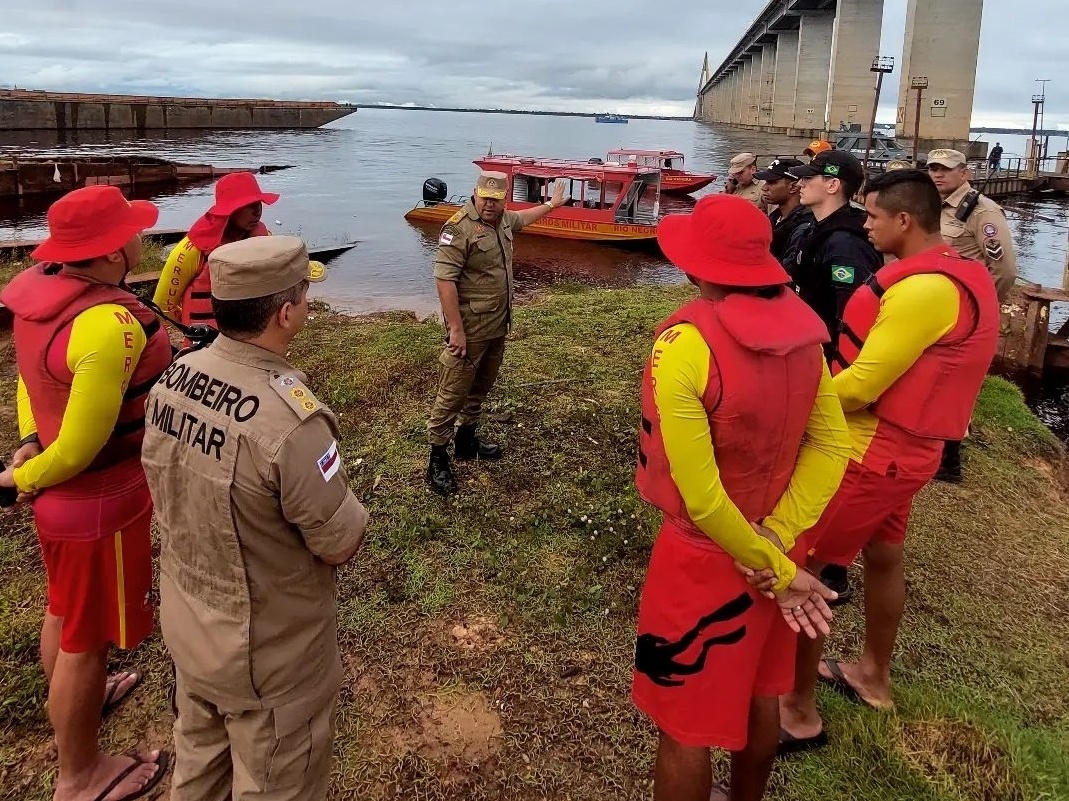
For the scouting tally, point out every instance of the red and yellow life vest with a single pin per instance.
(197, 299)
(767, 355)
(59, 299)
(935, 397)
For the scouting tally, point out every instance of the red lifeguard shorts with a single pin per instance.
(707, 644)
(98, 558)
(868, 507)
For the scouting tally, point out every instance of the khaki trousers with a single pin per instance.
(278, 754)
(463, 384)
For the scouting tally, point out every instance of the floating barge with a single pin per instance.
(37, 175)
(31, 110)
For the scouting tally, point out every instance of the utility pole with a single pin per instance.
(881, 65)
(1033, 146)
(918, 84)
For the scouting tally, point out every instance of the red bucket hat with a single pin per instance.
(92, 222)
(725, 241)
(236, 190)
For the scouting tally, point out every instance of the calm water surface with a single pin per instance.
(356, 178)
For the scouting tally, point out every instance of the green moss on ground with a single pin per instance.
(488, 640)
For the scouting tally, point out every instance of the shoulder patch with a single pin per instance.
(841, 274)
(990, 230)
(296, 395)
(449, 233)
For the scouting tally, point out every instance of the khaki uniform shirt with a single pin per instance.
(984, 236)
(478, 259)
(249, 490)
(752, 193)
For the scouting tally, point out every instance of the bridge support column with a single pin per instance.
(742, 109)
(815, 35)
(786, 80)
(768, 82)
(855, 43)
(942, 43)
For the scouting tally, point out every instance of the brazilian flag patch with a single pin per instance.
(841, 274)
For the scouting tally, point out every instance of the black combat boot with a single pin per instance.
(466, 446)
(439, 472)
(950, 467)
(835, 577)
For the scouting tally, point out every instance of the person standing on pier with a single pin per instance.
(255, 512)
(994, 159)
(742, 443)
(741, 181)
(975, 226)
(184, 290)
(473, 271)
(913, 352)
(87, 352)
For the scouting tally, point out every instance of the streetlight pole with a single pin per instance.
(919, 84)
(1033, 146)
(881, 65)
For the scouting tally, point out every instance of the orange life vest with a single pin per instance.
(935, 397)
(45, 303)
(197, 299)
(765, 368)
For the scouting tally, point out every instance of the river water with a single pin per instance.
(356, 178)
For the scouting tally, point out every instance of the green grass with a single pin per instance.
(152, 259)
(488, 640)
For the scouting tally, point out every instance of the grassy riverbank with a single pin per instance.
(152, 260)
(488, 640)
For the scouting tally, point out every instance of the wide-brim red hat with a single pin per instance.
(237, 190)
(725, 241)
(92, 222)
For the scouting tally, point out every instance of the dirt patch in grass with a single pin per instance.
(962, 758)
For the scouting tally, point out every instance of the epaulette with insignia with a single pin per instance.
(456, 217)
(296, 394)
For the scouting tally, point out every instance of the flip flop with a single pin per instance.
(163, 761)
(789, 744)
(112, 699)
(842, 685)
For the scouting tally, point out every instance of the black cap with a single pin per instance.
(833, 164)
(778, 169)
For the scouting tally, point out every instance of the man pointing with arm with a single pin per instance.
(473, 271)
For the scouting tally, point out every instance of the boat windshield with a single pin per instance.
(657, 161)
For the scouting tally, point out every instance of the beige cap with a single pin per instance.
(947, 158)
(897, 164)
(492, 184)
(260, 266)
(741, 162)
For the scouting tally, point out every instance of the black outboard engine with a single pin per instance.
(434, 191)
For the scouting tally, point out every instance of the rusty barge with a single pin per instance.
(63, 112)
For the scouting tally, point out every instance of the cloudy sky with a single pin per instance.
(631, 56)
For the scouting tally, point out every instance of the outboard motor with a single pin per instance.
(434, 191)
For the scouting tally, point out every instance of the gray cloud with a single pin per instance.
(625, 55)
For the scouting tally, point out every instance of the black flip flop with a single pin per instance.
(163, 762)
(789, 744)
(111, 703)
(841, 684)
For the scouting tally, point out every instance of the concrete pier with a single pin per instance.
(855, 43)
(815, 35)
(942, 41)
(22, 110)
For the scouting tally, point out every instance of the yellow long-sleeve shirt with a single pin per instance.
(183, 263)
(680, 375)
(102, 353)
(915, 313)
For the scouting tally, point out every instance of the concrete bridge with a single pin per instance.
(804, 67)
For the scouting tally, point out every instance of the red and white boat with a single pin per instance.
(674, 179)
(604, 202)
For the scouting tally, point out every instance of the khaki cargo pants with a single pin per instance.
(463, 384)
(279, 754)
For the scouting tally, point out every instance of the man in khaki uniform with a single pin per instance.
(254, 512)
(973, 224)
(741, 180)
(473, 271)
